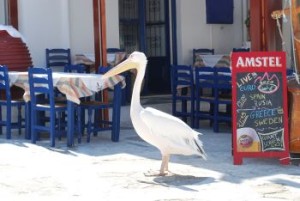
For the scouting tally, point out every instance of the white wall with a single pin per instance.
(193, 32)
(56, 24)
(44, 24)
(69, 24)
(81, 26)
(112, 23)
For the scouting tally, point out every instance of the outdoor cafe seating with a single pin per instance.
(202, 91)
(93, 106)
(114, 57)
(41, 83)
(8, 104)
(74, 86)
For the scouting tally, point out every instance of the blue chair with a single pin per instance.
(57, 58)
(7, 103)
(204, 94)
(114, 49)
(223, 95)
(241, 50)
(41, 85)
(77, 68)
(95, 106)
(183, 92)
(74, 68)
(104, 69)
(126, 94)
(69, 68)
(202, 51)
(290, 72)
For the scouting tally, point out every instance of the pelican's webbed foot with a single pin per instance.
(153, 173)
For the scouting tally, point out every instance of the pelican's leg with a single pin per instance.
(167, 163)
(164, 165)
(163, 168)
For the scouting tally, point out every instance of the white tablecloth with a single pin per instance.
(217, 60)
(73, 85)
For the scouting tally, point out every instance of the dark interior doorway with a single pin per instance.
(144, 26)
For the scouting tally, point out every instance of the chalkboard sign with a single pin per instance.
(260, 109)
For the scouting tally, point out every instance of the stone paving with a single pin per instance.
(104, 170)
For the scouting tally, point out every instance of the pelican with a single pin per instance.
(167, 133)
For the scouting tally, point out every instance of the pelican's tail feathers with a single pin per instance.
(200, 150)
(197, 133)
(199, 146)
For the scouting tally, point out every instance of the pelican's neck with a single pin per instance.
(135, 99)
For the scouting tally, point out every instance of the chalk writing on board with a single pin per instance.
(249, 77)
(260, 108)
(260, 100)
(267, 84)
(241, 101)
(243, 119)
(272, 140)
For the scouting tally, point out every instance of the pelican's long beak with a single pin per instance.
(124, 66)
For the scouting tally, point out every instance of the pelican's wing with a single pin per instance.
(157, 119)
(172, 130)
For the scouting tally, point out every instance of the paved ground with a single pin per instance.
(103, 170)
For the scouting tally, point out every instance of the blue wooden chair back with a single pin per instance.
(204, 51)
(204, 94)
(204, 78)
(4, 84)
(58, 57)
(241, 50)
(113, 50)
(182, 75)
(183, 92)
(8, 102)
(43, 102)
(41, 83)
(104, 69)
(223, 96)
(290, 72)
(74, 68)
(223, 78)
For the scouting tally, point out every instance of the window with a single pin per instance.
(129, 25)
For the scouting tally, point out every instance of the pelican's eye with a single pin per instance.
(131, 57)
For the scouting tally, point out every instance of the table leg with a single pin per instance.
(70, 123)
(27, 120)
(116, 113)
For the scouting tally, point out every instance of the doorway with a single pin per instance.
(144, 26)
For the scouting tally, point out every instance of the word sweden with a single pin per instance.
(244, 62)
